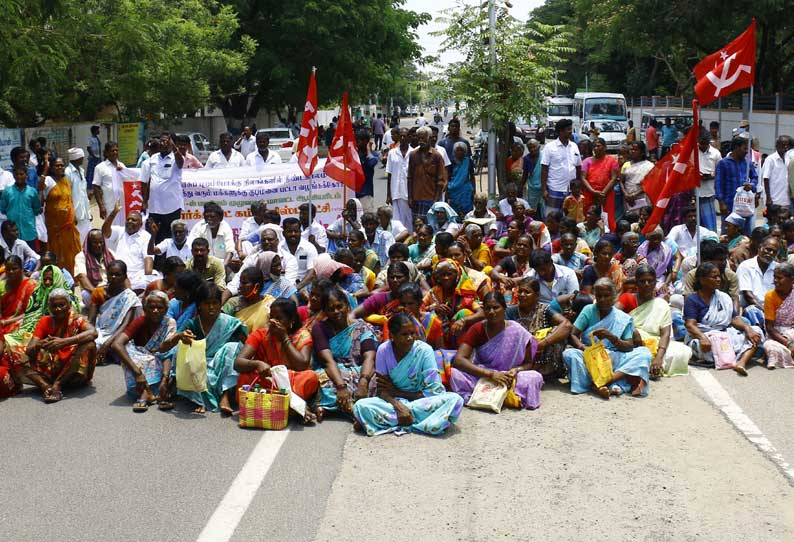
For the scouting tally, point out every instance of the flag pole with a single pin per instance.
(696, 126)
(309, 177)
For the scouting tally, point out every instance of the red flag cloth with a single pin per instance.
(673, 174)
(729, 69)
(307, 143)
(343, 163)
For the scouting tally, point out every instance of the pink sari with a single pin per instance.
(778, 355)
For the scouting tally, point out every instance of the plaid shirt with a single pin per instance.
(729, 176)
(380, 245)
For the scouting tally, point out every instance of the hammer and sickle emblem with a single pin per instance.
(726, 79)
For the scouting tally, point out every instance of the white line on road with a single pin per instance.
(720, 397)
(232, 508)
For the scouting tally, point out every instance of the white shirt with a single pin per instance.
(305, 255)
(564, 282)
(316, 229)
(387, 138)
(168, 248)
(164, 177)
(708, 165)
(776, 172)
(220, 245)
(82, 206)
(80, 268)
(112, 191)
(507, 210)
(248, 228)
(421, 121)
(218, 160)
(289, 264)
(396, 228)
(686, 241)
(247, 146)
(443, 152)
(397, 168)
(20, 249)
(751, 279)
(255, 158)
(6, 179)
(132, 249)
(562, 161)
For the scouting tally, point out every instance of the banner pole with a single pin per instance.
(696, 126)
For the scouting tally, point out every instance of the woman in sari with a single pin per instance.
(603, 266)
(61, 352)
(112, 308)
(421, 253)
(592, 228)
(443, 218)
(224, 335)
(779, 316)
(340, 274)
(504, 247)
(182, 308)
(630, 360)
(380, 306)
(410, 395)
(653, 320)
(499, 350)
(632, 174)
(312, 313)
(479, 255)
(510, 270)
(282, 342)
(599, 175)
(357, 239)
(344, 355)
(627, 256)
(515, 166)
(276, 285)
(63, 236)
(460, 252)
(139, 347)
(550, 329)
(461, 186)
(738, 244)
(15, 291)
(171, 268)
(248, 305)
(453, 299)
(659, 255)
(708, 311)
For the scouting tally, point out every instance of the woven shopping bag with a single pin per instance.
(267, 409)
(598, 362)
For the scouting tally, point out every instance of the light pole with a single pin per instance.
(491, 127)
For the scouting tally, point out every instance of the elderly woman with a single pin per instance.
(276, 284)
(653, 320)
(630, 360)
(708, 312)
(248, 305)
(738, 244)
(387, 222)
(661, 256)
(603, 266)
(549, 328)
(112, 308)
(283, 342)
(344, 355)
(461, 186)
(779, 316)
(90, 265)
(499, 350)
(139, 348)
(443, 218)
(223, 335)
(453, 299)
(380, 306)
(480, 257)
(627, 256)
(61, 352)
(410, 395)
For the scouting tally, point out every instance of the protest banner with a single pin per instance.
(9, 138)
(128, 142)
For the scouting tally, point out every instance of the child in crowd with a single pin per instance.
(573, 205)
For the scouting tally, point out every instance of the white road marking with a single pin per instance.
(232, 508)
(741, 421)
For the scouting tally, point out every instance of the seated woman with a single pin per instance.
(282, 342)
(499, 350)
(421, 253)
(454, 300)
(627, 255)
(380, 306)
(511, 269)
(603, 266)
(340, 274)
(139, 348)
(276, 284)
(344, 355)
(171, 268)
(443, 218)
(459, 251)
(410, 395)
(15, 292)
(248, 305)
(50, 258)
(479, 254)
(61, 352)
(428, 326)
(662, 257)
(549, 328)
(630, 360)
(355, 259)
(708, 310)
(592, 228)
(653, 319)
(312, 313)
(224, 335)
(779, 316)
(182, 308)
(357, 239)
(504, 247)
(90, 265)
(112, 309)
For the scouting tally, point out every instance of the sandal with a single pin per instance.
(603, 392)
(165, 405)
(140, 406)
(52, 396)
(740, 370)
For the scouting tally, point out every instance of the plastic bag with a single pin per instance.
(652, 344)
(598, 362)
(280, 374)
(744, 202)
(511, 399)
(487, 395)
(543, 333)
(722, 350)
(191, 366)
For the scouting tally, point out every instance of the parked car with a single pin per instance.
(200, 146)
(282, 141)
(611, 131)
(680, 119)
(527, 128)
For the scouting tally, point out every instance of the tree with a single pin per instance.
(529, 60)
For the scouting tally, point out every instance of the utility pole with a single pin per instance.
(491, 127)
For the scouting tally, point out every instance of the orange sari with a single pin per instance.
(64, 239)
(14, 302)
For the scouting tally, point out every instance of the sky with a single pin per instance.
(520, 10)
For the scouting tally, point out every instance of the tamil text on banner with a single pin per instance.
(128, 142)
(9, 138)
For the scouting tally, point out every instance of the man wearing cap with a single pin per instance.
(77, 180)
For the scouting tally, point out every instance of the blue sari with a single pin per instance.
(346, 348)
(221, 353)
(416, 372)
(180, 315)
(459, 188)
(637, 362)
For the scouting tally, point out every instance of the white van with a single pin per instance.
(593, 106)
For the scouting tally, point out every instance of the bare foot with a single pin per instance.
(603, 392)
(225, 405)
(741, 370)
(320, 414)
(200, 410)
(309, 417)
(637, 390)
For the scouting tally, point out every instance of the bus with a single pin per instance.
(557, 108)
(589, 106)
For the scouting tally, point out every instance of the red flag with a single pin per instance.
(343, 163)
(307, 143)
(673, 174)
(729, 69)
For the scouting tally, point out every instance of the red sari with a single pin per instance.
(13, 304)
(599, 173)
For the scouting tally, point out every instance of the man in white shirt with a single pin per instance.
(421, 120)
(249, 227)
(130, 243)
(756, 277)
(294, 243)
(176, 245)
(216, 231)
(397, 181)
(269, 240)
(161, 176)
(709, 156)
(225, 156)
(387, 222)
(441, 150)
(775, 175)
(246, 143)
(313, 231)
(14, 246)
(262, 154)
(556, 281)
(560, 164)
(685, 235)
(107, 188)
(79, 185)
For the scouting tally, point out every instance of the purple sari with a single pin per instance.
(502, 353)
(659, 259)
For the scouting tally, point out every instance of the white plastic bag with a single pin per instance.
(280, 375)
(487, 395)
(744, 202)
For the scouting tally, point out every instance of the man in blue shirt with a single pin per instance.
(369, 160)
(669, 135)
(732, 172)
